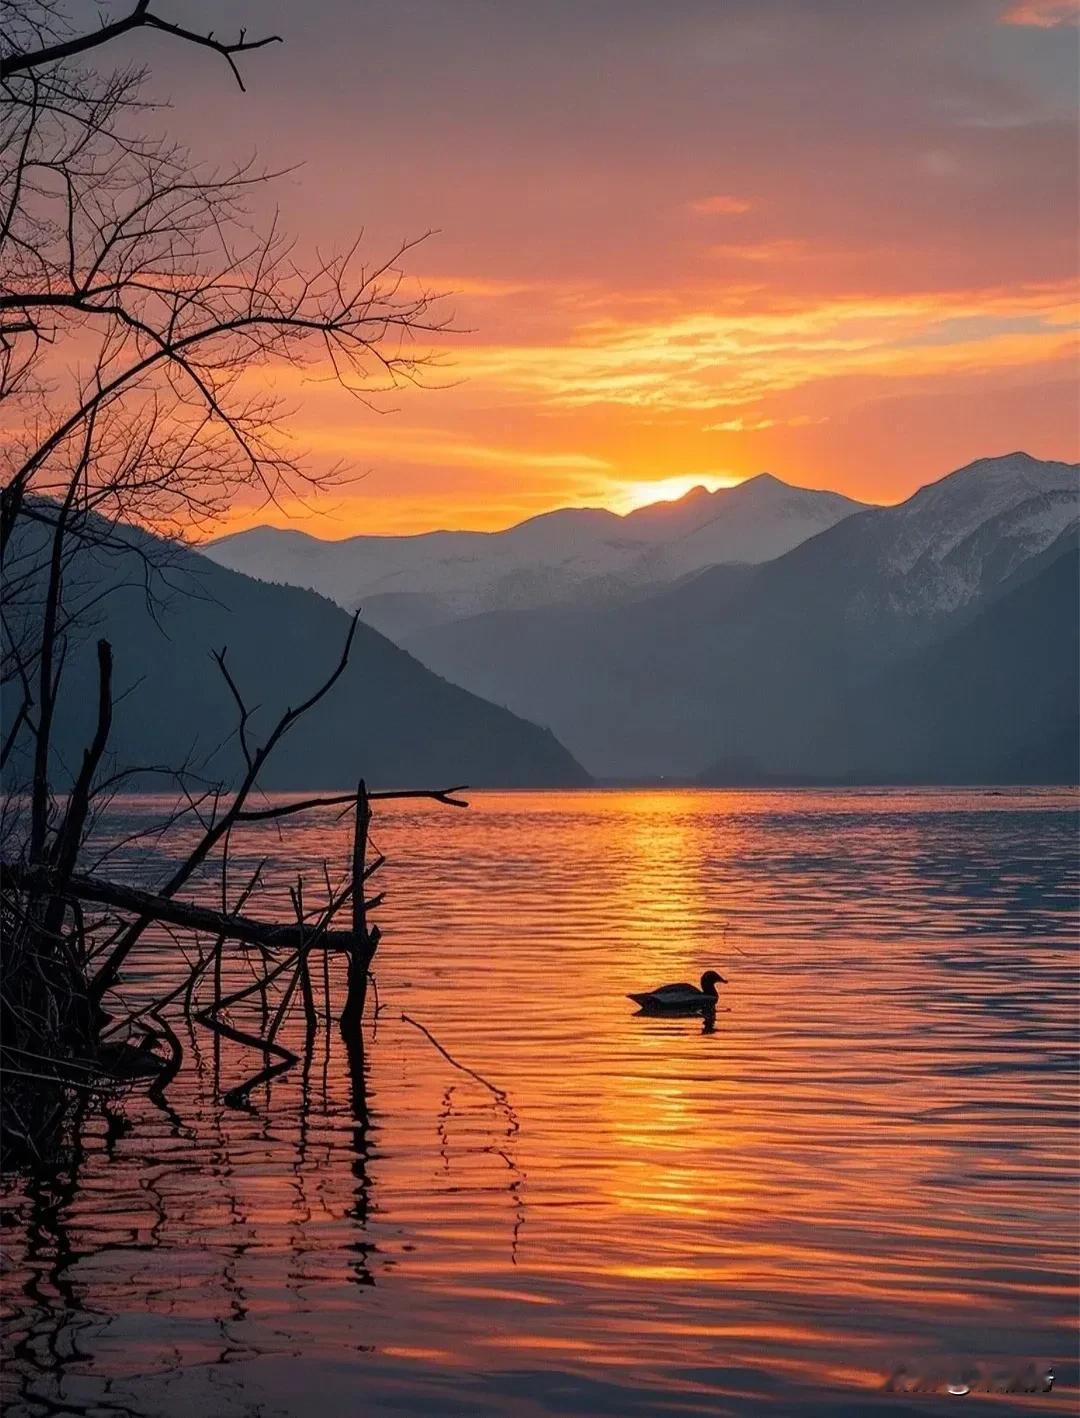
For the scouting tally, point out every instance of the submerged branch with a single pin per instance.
(176, 913)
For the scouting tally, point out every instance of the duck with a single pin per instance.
(681, 996)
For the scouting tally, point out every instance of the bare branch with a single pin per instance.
(178, 913)
(439, 795)
(140, 17)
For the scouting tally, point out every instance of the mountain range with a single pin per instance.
(757, 633)
(933, 641)
(573, 556)
(387, 718)
(794, 668)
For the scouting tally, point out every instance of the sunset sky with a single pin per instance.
(686, 241)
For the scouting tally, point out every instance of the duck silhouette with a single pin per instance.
(682, 996)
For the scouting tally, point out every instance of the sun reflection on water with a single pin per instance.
(871, 1158)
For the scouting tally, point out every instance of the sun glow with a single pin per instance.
(641, 494)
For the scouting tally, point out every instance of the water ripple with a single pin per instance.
(869, 1162)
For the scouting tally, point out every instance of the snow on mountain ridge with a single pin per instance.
(943, 514)
(933, 551)
(403, 582)
(957, 539)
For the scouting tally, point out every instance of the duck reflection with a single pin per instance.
(706, 1013)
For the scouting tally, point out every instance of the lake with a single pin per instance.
(869, 1162)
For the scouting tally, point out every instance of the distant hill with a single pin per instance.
(751, 665)
(574, 556)
(998, 700)
(388, 718)
(995, 701)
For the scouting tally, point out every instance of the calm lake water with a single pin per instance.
(871, 1161)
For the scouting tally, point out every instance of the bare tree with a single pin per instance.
(136, 298)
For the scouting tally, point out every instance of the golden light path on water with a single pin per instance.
(870, 1162)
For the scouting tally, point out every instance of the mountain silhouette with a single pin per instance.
(995, 701)
(388, 718)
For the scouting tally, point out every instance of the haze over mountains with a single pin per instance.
(575, 555)
(750, 673)
(387, 718)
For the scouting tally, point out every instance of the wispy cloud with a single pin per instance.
(438, 447)
(473, 285)
(781, 249)
(752, 425)
(702, 360)
(722, 205)
(1043, 14)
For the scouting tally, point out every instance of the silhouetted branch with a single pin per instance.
(241, 731)
(13, 733)
(177, 913)
(136, 301)
(108, 973)
(140, 17)
(69, 837)
(439, 795)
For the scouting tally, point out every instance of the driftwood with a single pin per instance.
(162, 906)
(59, 885)
(44, 889)
(179, 913)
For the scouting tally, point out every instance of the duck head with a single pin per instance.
(709, 982)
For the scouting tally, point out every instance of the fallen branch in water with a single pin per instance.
(177, 913)
(286, 1058)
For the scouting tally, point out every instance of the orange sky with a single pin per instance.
(681, 242)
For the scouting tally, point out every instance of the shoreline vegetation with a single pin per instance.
(124, 255)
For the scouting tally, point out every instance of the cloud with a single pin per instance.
(473, 285)
(749, 425)
(740, 426)
(438, 447)
(721, 205)
(1043, 14)
(782, 249)
(703, 359)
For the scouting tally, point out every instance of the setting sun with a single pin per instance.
(641, 494)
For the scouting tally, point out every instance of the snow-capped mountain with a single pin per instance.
(756, 521)
(406, 584)
(956, 538)
(753, 663)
